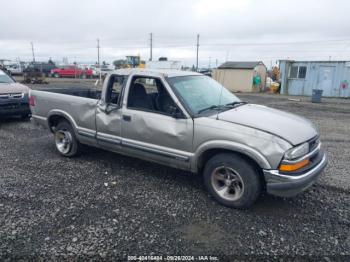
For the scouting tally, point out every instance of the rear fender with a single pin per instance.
(63, 114)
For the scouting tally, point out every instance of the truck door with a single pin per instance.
(108, 113)
(154, 126)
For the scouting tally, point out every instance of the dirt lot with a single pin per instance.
(56, 207)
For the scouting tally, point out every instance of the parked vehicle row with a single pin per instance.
(71, 71)
(50, 69)
(44, 68)
(188, 121)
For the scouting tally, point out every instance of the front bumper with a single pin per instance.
(290, 185)
(17, 108)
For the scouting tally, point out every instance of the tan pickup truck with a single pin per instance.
(188, 121)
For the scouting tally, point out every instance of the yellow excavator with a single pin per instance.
(130, 62)
(135, 62)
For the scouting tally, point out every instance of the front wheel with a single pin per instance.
(232, 180)
(65, 140)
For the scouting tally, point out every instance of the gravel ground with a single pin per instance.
(103, 205)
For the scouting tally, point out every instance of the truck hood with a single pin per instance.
(13, 88)
(292, 128)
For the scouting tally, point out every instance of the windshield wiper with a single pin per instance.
(213, 107)
(222, 107)
(236, 103)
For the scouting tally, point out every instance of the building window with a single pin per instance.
(297, 72)
(293, 73)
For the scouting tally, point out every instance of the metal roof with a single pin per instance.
(240, 65)
(314, 61)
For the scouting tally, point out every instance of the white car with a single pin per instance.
(15, 69)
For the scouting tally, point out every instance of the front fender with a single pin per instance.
(231, 146)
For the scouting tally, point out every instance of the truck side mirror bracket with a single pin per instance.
(176, 112)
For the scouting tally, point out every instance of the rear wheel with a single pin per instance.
(232, 180)
(65, 140)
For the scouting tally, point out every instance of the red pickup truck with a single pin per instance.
(71, 71)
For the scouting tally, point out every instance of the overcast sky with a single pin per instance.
(244, 30)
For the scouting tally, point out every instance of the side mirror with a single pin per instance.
(175, 112)
(110, 108)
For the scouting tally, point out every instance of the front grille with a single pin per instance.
(10, 106)
(11, 96)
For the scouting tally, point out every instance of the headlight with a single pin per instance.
(297, 152)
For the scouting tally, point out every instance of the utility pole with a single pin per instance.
(151, 46)
(197, 52)
(31, 43)
(98, 52)
(98, 57)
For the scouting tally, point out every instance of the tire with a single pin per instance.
(56, 75)
(232, 180)
(83, 76)
(65, 140)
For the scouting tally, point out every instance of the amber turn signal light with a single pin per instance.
(293, 167)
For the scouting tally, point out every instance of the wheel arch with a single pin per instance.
(205, 152)
(55, 116)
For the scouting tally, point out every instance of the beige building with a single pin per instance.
(241, 76)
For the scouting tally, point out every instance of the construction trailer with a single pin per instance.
(301, 77)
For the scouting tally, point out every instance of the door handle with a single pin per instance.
(126, 118)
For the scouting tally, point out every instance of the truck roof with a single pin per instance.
(145, 71)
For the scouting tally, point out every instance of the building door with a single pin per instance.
(325, 80)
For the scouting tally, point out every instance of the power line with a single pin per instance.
(275, 43)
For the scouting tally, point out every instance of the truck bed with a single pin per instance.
(78, 104)
(86, 92)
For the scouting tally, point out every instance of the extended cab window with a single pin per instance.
(114, 88)
(149, 94)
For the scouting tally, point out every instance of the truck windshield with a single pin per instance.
(4, 78)
(202, 93)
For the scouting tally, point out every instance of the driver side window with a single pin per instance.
(149, 94)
